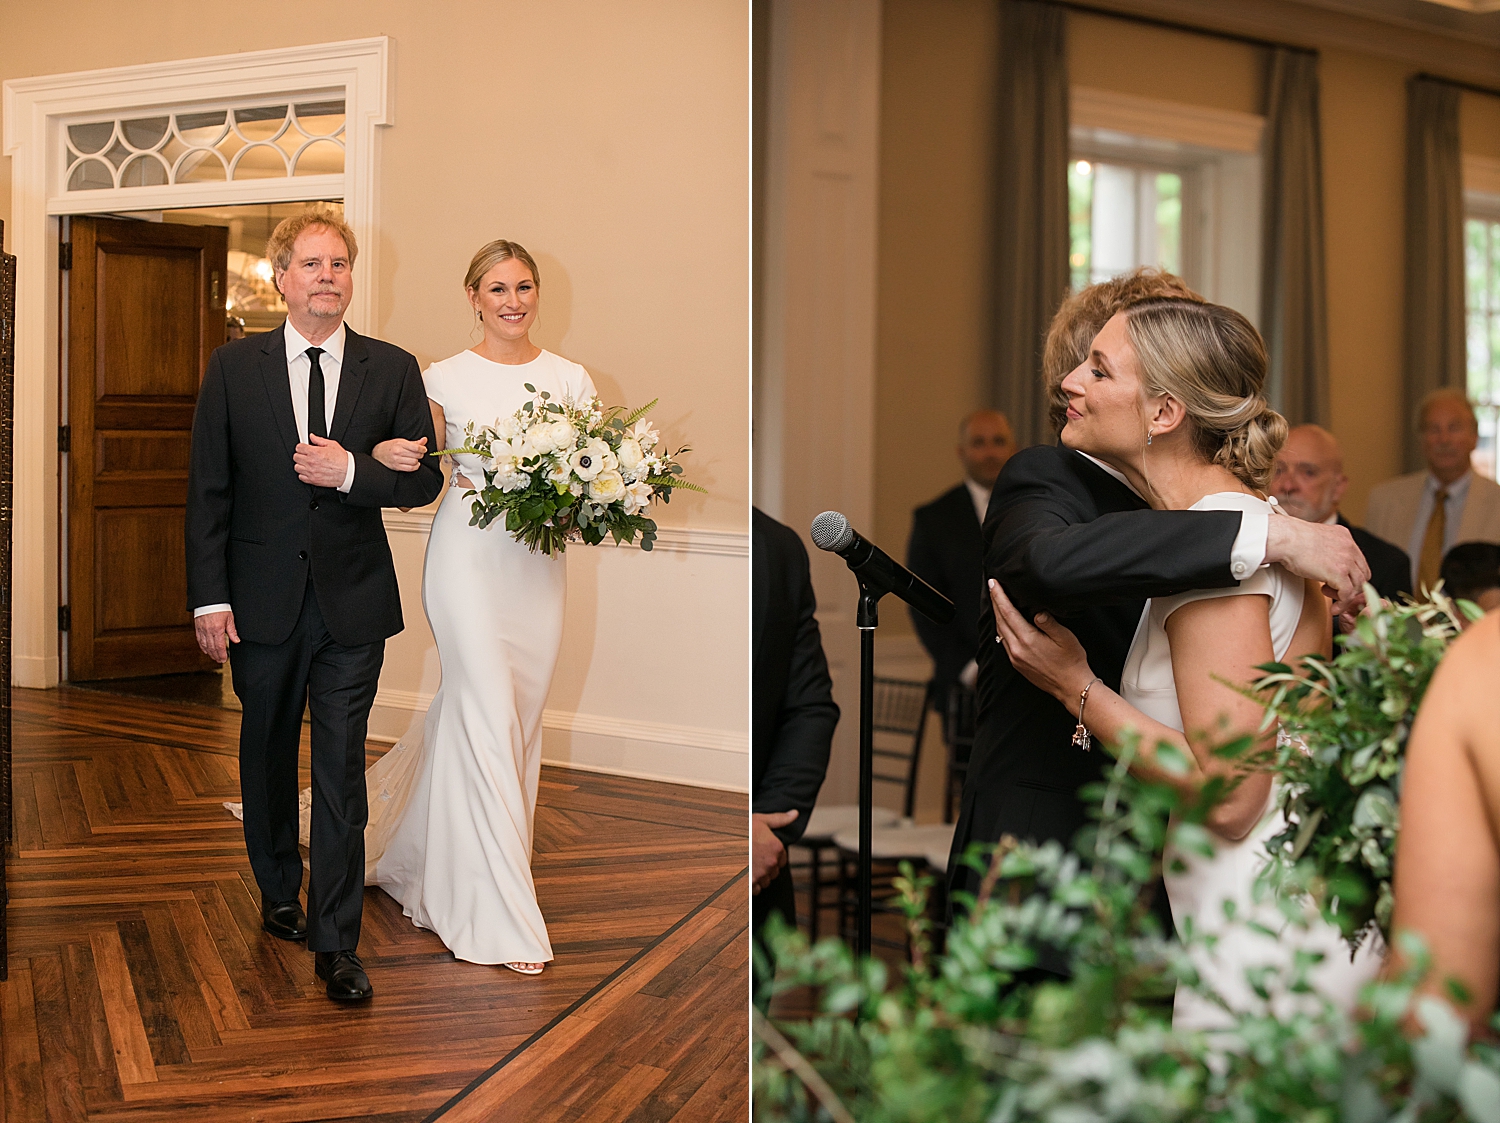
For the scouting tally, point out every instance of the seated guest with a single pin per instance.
(1448, 854)
(1309, 481)
(1471, 570)
(945, 548)
(1431, 511)
(794, 712)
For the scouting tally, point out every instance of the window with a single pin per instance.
(1167, 184)
(1482, 288)
(240, 142)
(1122, 216)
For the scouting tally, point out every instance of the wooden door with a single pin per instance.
(145, 310)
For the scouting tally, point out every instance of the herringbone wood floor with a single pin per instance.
(142, 988)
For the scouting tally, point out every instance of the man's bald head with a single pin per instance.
(1309, 478)
(984, 445)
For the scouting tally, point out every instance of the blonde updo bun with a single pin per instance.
(1212, 360)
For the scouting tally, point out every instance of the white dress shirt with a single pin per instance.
(1453, 515)
(1249, 550)
(980, 495)
(299, 372)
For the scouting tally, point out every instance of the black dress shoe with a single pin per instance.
(345, 975)
(284, 919)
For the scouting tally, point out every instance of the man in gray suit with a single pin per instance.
(1429, 512)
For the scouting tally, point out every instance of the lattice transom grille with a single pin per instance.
(207, 145)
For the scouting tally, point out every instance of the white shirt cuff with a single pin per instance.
(969, 676)
(207, 608)
(349, 482)
(1249, 550)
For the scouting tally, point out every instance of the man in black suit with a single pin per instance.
(945, 549)
(1310, 481)
(794, 711)
(290, 576)
(1066, 534)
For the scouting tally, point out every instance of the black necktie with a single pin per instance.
(317, 421)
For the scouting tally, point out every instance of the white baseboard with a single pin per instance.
(678, 754)
(37, 672)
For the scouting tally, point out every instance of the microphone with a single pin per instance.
(874, 567)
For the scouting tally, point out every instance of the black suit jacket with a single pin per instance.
(256, 533)
(1064, 535)
(1390, 565)
(946, 551)
(794, 711)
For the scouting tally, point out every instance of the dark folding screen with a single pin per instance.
(7, 424)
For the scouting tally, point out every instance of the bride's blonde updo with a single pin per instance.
(1212, 360)
(491, 255)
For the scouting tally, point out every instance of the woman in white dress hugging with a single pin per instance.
(1171, 399)
(450, 828)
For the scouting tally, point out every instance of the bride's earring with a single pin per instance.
(1148, 435)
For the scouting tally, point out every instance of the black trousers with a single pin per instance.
(777, 897)
(276, 683)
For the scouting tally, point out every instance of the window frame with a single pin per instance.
(1482, 206)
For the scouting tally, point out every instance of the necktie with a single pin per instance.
(1432, 545)
(317, 422)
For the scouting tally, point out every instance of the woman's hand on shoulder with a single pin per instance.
(1047, 654)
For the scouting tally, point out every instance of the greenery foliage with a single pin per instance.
(968, 1036)
(1344, 725)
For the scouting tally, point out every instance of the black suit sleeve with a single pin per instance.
(807, 713)
(1047, 551)
(375, 485)
(210, 494)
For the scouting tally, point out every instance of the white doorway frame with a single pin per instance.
(35, 110)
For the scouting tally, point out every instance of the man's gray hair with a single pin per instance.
(1445, 394)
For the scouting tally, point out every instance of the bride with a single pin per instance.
(1171, 399)
(450, 829)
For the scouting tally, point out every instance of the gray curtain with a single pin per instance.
(1434, 351)
(1294, 303)
(1031, 208)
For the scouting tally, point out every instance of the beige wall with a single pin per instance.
(612, 140)
(939, 78)
(1479, 124)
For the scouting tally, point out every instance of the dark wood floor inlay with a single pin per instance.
(142, 988)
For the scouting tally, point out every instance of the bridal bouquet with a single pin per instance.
(571, 471)
(1344, 725)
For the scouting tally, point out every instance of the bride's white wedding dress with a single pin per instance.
(450, 828)
(1199, 893)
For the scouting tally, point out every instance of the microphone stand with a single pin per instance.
(866, 620)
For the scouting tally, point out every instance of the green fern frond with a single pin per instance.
(674, 482)
(636, 414)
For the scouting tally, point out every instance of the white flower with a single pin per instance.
(539, 437)
(637, 497)
(508, 428)
(631, 456)
(593, 458)
(642, 433)
(512, 479)
(563, 435)
(559, 471)
(607, 487)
